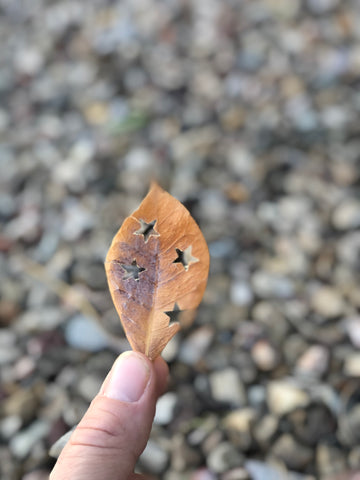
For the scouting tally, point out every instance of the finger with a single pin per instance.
(162, 375)
(116, 427)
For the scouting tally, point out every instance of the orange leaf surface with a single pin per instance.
(157, 259)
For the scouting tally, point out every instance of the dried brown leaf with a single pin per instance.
(157, 259)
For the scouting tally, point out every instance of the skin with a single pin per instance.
(115, 429)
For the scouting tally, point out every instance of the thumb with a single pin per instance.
(114, 431)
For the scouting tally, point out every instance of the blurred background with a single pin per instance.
(246, 111)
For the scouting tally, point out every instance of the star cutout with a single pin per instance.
(185, 257)
(132, 271)
(147, 229)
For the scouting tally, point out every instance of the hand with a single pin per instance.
(114, 431)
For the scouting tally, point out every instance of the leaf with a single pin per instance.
(157, 259)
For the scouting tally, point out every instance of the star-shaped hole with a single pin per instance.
(185, 257)
(147, 229)
(132, 271)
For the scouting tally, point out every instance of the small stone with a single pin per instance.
(238, 425)
(22, 444)
(165, 408)
(264, 355)
(354, 458)
(241, 293)
(347, 215)
(327, 302)
(238, 473)
(203, 474)
(284, 396)
(36, 475)
(154, 458)
(322, 6)
(83, 333)
(29, 61)
(194, 347)
(352, 365)
(283, 9)
(39, 319)
(171, 350)
(224, 457)
(312, 424)
(182, 455)
(265, 430)
(271, 285)
(89, 385)
(330, 461)
(77, 220)
(352, 326)
(313, 362)
(10, 425)
(226, 386)
(23, 403)
(292, 453)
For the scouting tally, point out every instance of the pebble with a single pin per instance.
(224, 457)
(227, 387)
(238, 424)
(329, 460)
(23, 403)
(352, 365)
(264, 355)
(238, 473)
(83, 333)
(10, 425)
(24, 441)
(194, 347)
(284, 396)
(241, 293)
(36, 475)
(291, 452)
(203, 474)
(165, 408)
(327, 302)
(89, 385)
(39, 319)
(322, 6)
(154, 458)
(270, 285)
(313, 362)
(352, 326)
(347, 215)
(265, 430)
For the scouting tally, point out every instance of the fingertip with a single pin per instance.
(162, 375)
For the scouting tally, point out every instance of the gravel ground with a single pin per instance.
(246, 111)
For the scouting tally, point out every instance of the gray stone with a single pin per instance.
(264, 355)
(271, 285)
(224, 457)
(165, 408)
(194, 347)
(313, 362)
(226, 386)
(352, 326)
(23, 442)
(265, 430)
(347, 215)
(292, 453)
(89, 385)
(154, 458)
(283, 396)
(83, 333)
(241, 293)
(352, 365)
(327, 302)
